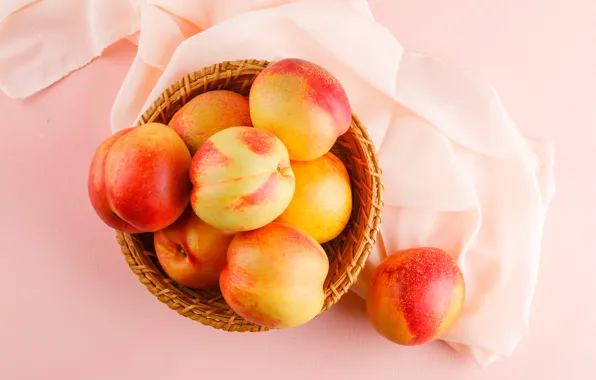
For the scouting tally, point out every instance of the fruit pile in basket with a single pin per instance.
(240, 192)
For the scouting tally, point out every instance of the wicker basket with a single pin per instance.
(347, 253)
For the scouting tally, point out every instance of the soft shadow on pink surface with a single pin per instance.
(72, 309)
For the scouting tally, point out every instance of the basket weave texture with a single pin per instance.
(347, 253)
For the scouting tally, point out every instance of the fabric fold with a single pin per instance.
(42, 41)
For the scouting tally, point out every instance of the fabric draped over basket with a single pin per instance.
(457, 172)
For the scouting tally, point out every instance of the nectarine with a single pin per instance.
(415, 295)
(242, 179)
(274, 276)
(138, 178)
(322, 201)
(191, 252)
(303, 104)
(209, 113)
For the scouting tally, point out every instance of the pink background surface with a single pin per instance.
(71, 308)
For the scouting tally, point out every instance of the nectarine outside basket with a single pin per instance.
(347, 253)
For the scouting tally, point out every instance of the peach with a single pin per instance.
(242, 179)
(415, 295)
(301, 103)
(209, 113)
(275, 276)
(138, 179)
(322, 201)
(191, 252)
